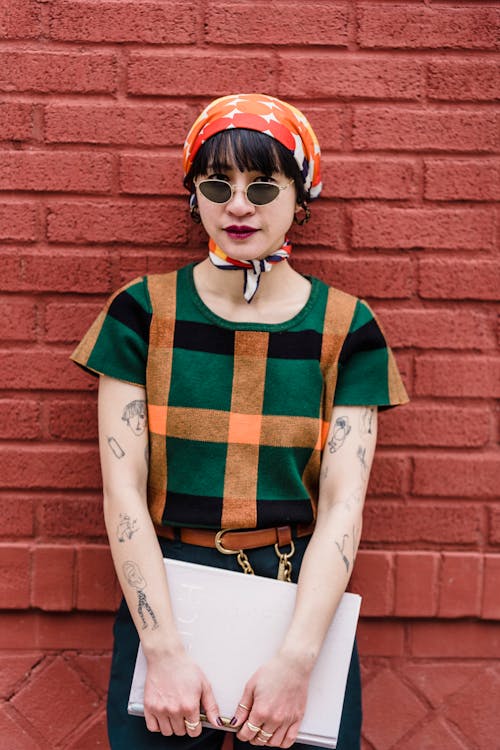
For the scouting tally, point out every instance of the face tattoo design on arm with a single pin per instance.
(135, 579)
(134, 415)
(341, 429)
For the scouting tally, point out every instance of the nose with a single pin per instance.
(239, 204)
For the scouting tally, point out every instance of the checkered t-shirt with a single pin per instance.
(238, 412)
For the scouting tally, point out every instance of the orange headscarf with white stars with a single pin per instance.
(265, 114)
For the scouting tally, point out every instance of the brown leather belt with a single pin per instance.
(237, 539)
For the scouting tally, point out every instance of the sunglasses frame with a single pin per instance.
(234, 188)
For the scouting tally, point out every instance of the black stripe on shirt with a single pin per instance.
(203, 337)
(295, 345)
(366, 338)
(128, 311)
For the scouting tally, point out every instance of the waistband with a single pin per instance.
(235, 539)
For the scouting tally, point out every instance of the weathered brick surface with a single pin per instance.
(96, 98)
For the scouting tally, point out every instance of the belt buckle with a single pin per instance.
(242, 559)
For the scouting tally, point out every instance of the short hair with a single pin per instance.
(250, 150)
(135, 408)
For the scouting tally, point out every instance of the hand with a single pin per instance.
(275, 697)
(174, 689)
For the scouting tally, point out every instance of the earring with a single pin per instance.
(193, 209)
(305, 218)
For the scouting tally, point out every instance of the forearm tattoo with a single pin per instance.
(341, 429)
(134, 577)
(135, 417)
(361, 454)
(366, 420)
(126, 528)
(340, 548)
(116, 447)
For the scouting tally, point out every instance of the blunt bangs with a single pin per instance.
(250, 151)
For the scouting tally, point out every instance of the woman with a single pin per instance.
(262, 388)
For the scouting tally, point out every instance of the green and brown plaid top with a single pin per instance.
(238, 412)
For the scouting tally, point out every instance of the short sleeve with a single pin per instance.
(367, 371)
(116, 344)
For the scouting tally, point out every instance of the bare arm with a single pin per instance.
(174, 685)
(277, 692)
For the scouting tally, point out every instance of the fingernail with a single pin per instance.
(220, 723)
(233, 721)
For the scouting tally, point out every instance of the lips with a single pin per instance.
(239, 232)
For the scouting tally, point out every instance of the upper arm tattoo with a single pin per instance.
(341, 429)
(134, 415)
(116, 447)
(366, 420)
(126, 528)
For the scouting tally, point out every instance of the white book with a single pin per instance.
(232, 623)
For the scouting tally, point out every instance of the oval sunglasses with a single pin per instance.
(258, 193)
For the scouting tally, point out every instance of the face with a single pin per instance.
(241, 229)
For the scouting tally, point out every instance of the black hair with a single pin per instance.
(250, 150)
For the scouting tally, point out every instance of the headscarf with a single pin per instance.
(268, 115)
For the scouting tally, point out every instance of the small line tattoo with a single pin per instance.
(341, 550)
(126, 528)
(134, 415)
(116, 447)
(341, 429)
(134, 577)
(361, 454)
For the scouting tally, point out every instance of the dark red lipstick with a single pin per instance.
(242, 232)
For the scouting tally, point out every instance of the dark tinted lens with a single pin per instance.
(216, 191)
(261, 193)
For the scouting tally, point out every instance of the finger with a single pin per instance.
(249, 730)
(211, 709)
(177, 721)
(243, 708)
(151, 722)
(291, 735)
(165, 726)
(193, 725)
(278, 737)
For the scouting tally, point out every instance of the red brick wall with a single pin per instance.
(95, 99)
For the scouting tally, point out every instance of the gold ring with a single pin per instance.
(261, 739)
(252, 727)
(267, 735)
(242, 705)
(191, 724)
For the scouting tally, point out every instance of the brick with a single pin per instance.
(459, 279)
(327, 224)
(58, 72)
(145, 222)
(438, 681)
(97, 586)
(457, 375)
(437, 733)
(460, 585)
(461, 639)
(330, 123)
(392, 709)
(15, 564)
(391, 278)
(80, 631)
(433, 329)
(19, 419)
(472, 180)
(286, 23)
(380, 638)
(417, 522)
(15, 669)
(15, 736)
(61, 467)
(21, 20)
(147, 22)
(57, 270)
(49, 171)
(388, 475)
(475, 709)
(73, 420)
(52, 584)
(95, 668)
(63, 516)
(348, 177)
(42, 370)
(94, 735)
(463, 80)
(432, 228)
(494, 525)
(151, 174)
(436, 425)
(396, 129)
(411, 27)
(18, 221)
(139, 125)
(16, 121)
(416, 584)
(55, 700)
(490, 607)
(18, 320)
(18, 629)
(166, 74)
(67, 322)
(456, 475)
(372, 579)
(362, 77)
(17, 513)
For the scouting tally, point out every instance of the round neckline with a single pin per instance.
(248, 326)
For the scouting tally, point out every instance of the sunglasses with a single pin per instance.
(258, 193)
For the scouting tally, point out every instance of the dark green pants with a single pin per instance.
(130, 732)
